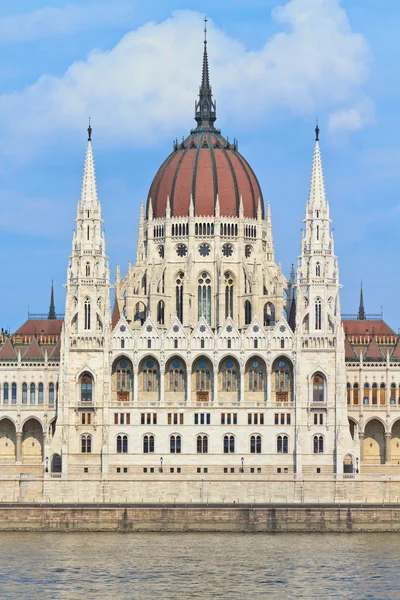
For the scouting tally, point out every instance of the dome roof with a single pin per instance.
(203, 165)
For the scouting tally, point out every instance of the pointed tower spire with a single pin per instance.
(217, 207)
(52, 309)
(361, 309)
(89, 190)
(205, 106)
(317, 197)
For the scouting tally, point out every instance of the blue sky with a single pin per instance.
(135, 68)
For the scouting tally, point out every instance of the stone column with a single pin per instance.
(188, 385)
(388, 454)
(242, 379)
(215, 385)
(268, 384)
(19, 446)
(162, 386)
(135, 384)
(361, 438)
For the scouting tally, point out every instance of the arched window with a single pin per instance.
(179, 296)
(229, 376)
(148, 444)
(122, 444)
(176, 379)
(24, 393)
(86, 444)
(382, 394)
(282, 379)
(87, 269)
(161, 312)
(348, 387)
(40, 393)
(255, 444)
(247, 312)
(282, 444)
(204, 297)
(256, 377)
(318, 270)
(32, 394)
(366, 393)
(87, 313)
(318, 308)
(5, 393)
(374, 393)
(51, 393)
(229, 291)
(150, 377)
(86, 387)
(14, 393)
(318, 444)
(124, 376)
(269, 314)
(229, 444)
(355, 393)
(318, 388)
(202, 444)
(203, 377)
(122, 343)
(392, 393)
(175, 444)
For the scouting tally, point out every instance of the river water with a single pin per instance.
(181, 566)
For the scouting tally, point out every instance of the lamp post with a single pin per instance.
(357, 461)
(47, 464)
(161, 462)
(242, 461)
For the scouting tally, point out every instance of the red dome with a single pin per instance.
(204, 165)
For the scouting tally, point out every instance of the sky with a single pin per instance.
(134, 67)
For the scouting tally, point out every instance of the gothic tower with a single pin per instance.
(84, 378)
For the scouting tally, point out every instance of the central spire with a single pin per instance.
(52, 309)
(317, 196)
(361, 309)
(205, 106)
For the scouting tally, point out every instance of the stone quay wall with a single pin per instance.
(199, 518)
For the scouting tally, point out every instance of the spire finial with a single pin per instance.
(52, 309)
(316, 131)
(361, 309)
(89, 132)
(205, 107)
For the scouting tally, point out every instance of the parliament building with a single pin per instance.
(202, 360)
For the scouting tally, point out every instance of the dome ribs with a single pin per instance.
(205, 165)
(227, 186)
(254, 184)
(204, 186)
(178, 207)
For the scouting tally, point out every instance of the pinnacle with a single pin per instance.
(89, 191)
(317, 195)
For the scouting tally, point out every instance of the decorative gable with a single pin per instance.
(282, 335)
(122, 336)
(149, 336)
(175, 336)
(229, 336)
(202, 336)
(255, 336)
(33, 351)
(7, 350)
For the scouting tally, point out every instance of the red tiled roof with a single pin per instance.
(56, 351)
(396, 351)
(348, 351)
(373, 351)
(367, 327)
(7, 350)
(33, 350)
(116, 314)
(40, 326)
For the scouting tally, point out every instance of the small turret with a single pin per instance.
(52, 309)
(361, 309)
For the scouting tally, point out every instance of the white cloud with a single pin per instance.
(352, 118)
(49, 22)
(144, 88)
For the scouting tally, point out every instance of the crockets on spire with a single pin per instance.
(361, 309)
(205, 106)
(52, 309)
(89, 190)
(317, 196)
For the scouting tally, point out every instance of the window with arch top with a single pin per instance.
(318, 444)
(229, 444)
(318, 269)
(176, 379)
(318, 312)
(87, 313)
(150, 376)
(282, 444)
(204, 297)
(124, 376)
(86, 385)
(148, 444)
(122, 444)
(229, 376)
(161, 312)
(202, 444)
(175, 444)
(255, 444)
(179, 296)
(247, 312)
(318, 384)
(86, 444)
(229, 292)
